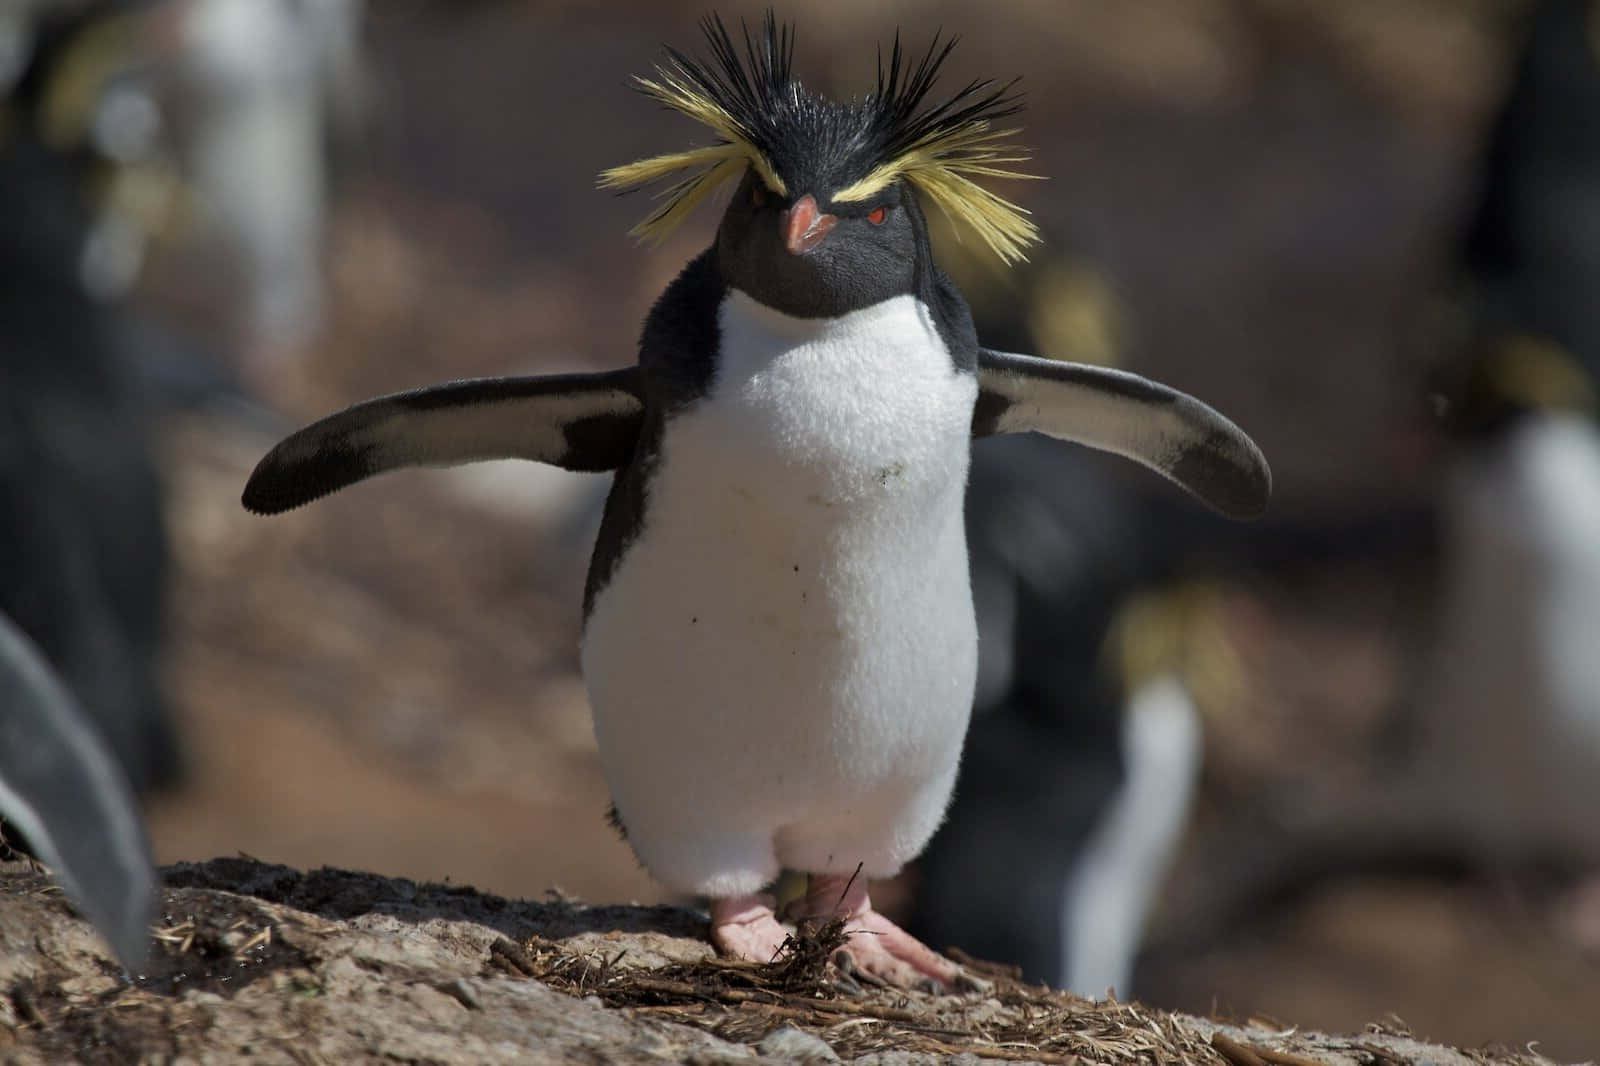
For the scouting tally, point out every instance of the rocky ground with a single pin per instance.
(261, 963)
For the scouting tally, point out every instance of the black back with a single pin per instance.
(1532, 249)
(1534, 244)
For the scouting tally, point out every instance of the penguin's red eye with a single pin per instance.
(758, 197)
(877, 215)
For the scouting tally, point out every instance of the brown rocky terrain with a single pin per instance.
(261, 963)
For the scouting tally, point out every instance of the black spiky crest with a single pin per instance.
(767, 121)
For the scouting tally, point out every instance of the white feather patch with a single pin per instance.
(781, 667)
(1115, 880)
(1511, 706)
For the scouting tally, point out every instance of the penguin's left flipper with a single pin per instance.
(585, 422)
(1170, 432)
(61, 787)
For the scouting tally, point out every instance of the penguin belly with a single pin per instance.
(782, 663)
(1514, 700)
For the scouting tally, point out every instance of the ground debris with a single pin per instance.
(263, 962)
(746, 1002)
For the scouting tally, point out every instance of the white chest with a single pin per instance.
(828, 453)
(1512, 708)
(796, 604)
(865, 409)
(1527, 533)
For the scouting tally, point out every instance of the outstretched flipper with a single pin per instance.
(586, 422)
(62, 789)
(1172, 433)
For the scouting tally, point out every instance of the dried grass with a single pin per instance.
(1009, 1021)
(742, 1001)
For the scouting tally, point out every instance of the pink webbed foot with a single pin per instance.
(745, 927)
(876, 947)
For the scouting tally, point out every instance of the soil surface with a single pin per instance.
(261, 962)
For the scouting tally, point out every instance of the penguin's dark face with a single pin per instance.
(809, 256)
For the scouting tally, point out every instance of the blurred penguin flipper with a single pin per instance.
(63, 790)
(583, 422)
(1168, 431)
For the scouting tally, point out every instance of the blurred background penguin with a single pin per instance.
(83, 548)
(1100, 612)
(1085, 747)
(124, 125)
(1491, 749)
(1510, 711)
(263, 87)
(84, 570)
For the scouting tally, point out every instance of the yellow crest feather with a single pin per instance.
(713, 165)
(765, 120)
(941, 166)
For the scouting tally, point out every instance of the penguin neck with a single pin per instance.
(754, 334)
(781, 326)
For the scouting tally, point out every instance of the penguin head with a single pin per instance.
(826, 213)
(1508, 377)
(812, 257)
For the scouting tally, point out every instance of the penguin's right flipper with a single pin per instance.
(586, 422)
(62, 789)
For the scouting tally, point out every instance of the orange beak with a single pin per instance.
(804, 227)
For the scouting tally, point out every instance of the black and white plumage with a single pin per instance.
(1501, 743)
(61, 787)
(263, 84)
(1511, 705)
(1084, 750)
(83, 550)
(779, 640)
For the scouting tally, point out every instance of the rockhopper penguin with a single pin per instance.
(778, 635)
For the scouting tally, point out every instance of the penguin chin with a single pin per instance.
(830, 280)
(805, 288)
